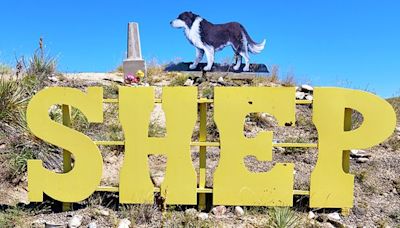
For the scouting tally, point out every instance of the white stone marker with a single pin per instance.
(134, 61)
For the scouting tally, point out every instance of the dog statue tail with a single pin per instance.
(254, 47)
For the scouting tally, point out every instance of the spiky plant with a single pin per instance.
(283, 217)
(12, 101)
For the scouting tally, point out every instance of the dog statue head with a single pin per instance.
(184, 20)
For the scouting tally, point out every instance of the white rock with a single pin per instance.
(307, 87)
(311, 215)
(202, 216)
(53, 79)
(219, 210)
(300, 95)
(76, 221)
(334, 216)
(124, 223)
(359, 154)
(104, 212)
(189, 82)
(157, 178)
(220, 79)
(362, 160)
(327, 225)
(92, 225)
(191, 211)
(53, 225)
(239, 211)
(398, 129)
(309, 97)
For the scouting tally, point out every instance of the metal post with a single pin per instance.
(67, 161)
(346, 153)
(202, 154)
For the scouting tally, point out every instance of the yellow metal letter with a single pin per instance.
(331, 187)
(234, 184)
(180, 107)
(85, 175)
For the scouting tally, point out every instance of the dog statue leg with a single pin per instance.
(210, 58)
(246, 57)
(199, 57)
(238, 62)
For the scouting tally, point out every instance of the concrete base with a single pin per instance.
(132, 66)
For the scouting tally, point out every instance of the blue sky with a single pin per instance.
(328, 43)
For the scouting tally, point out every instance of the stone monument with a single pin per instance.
(134, 61)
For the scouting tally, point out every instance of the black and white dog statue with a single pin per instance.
(209, 38)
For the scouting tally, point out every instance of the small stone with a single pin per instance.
(300, 95)
(189, 82)
(76, 221)
(219, 210)
(334, 216)
(191, 211)
(327, 225)
(104, 212)
(279, 149)
(362, 160)
(239, 211)
(124, 223)
(359, 154)
(92, 225)
(394, 191)
(202, 216)
(220, 79)
(53, 225)
(311, 215)
(2, 146)
(307, 88)
(309, 97)
(53, 79)
(398, 129)
(157, 178)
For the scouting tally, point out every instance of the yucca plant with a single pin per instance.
(283, 217)
(12, 101)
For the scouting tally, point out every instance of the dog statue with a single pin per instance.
(209, 38)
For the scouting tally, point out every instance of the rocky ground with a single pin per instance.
(376, 170)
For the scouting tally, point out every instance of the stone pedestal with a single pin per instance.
(131, 66)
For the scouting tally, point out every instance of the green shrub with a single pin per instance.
(179, 79)
(5, 69)
(283, 217)
(12, 101)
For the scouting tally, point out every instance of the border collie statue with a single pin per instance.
(209, 38)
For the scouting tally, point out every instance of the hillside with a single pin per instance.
(376, 170)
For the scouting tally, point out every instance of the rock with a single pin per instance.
(311, 215)
(300, 95)
(157, 178)
(76, 221)
(189, 82)
(92, 225)
(362, 160)
(202, 216)
(191, 211)
(359, 154)
(104, 212)
(219, 210)
(327, 225)
(279, 149)
(309, 97)
(307, 88)
(398, 129)
(53, 225)
(239, 211)
(220, 80)
(124, 223)
(394, 191)
(334, 217)
(2, 146)
(53, 79)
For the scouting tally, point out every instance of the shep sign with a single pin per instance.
(234, 184)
